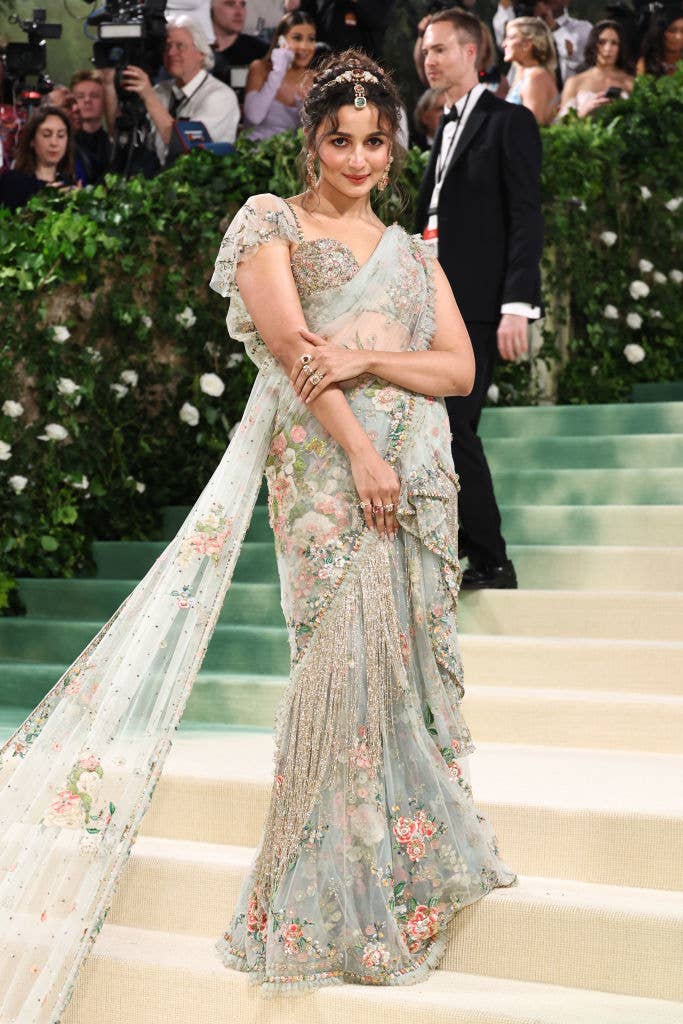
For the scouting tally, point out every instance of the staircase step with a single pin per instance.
(585, 525)
(609, 451)
(588, 420)
(133, 976)
(589, 486)
(593, 815)
(264, 649)
(130, 560)
(192, 888)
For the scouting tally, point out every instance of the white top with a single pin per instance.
(571, 37)
(449, 142)
(206, 99)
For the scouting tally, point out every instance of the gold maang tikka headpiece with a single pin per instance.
(356, 76)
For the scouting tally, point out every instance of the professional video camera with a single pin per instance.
(130, 32)
(30, 58)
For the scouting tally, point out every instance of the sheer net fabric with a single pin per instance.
(372, 841)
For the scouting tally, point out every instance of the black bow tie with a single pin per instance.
(452, 115)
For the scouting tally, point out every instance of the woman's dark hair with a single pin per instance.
(26, 157)
(652, 48)
(285, 25)
(590, 54)
(326, 96)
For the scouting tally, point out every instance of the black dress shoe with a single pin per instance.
(494, 577)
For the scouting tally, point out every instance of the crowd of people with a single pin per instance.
(215, 73)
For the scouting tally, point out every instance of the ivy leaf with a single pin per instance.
(48, 543)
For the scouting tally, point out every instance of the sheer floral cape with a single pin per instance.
(373, 681)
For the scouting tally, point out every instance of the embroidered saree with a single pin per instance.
(372, 841)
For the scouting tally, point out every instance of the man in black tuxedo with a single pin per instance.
(480, 205)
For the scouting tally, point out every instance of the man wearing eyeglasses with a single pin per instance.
(191, 93)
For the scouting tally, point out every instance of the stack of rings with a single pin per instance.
(308, 370)
(378, 508)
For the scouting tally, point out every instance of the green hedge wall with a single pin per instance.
(108, 328)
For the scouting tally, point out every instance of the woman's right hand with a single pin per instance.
(377, 484)
(282, 57)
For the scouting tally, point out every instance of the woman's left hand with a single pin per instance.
(328, 364)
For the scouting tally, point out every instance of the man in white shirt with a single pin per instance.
(191, 93)
(570, 34)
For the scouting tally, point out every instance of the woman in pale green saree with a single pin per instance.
(372, 841)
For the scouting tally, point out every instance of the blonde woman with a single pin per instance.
(529, 47)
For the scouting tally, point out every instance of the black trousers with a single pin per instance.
(480, 537)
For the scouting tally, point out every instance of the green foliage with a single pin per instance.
(123, 271)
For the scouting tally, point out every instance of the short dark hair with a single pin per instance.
(464, 23)
(590, 54)
(26, 158)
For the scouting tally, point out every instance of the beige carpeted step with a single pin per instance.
(561, 932)
(617, 614)
(575, 718)
(598, 568)
(159, 978)
(640, 666)
(597, 816)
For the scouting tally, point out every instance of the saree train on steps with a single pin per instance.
(372, 841)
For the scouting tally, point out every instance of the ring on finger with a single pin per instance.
(308, 370)
(377, 509)
(306, 358)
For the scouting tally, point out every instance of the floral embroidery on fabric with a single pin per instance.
(81, 804)
(208, 538)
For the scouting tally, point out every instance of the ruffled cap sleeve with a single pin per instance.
(263, 220)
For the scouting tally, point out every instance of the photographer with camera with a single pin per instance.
(607, 76)
(191, 93)
(45, 158)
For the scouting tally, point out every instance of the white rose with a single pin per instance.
(120, 390)
(644, 266)
(234, 359)
(82, 484)
(634, 321)
(655, 314)
(17, 483)
(639, 290)
(189, 414)
(66, 386)
(187, 318)
(129, 377)
(61, 333)
(659, 277)
(5, 451)
(94, 353)
(211, 384)
(146, 321)
(645, 192)
(54, 432)
(634, 353)
(673, 204)
(676, 276)
(610, 312)
(609, 238)
(140, 487)
(493, 393)
(12, 409)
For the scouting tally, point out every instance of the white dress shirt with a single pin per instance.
(204, 98)
(449, 142)
(571, 36)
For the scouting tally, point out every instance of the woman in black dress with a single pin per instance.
(45, 157)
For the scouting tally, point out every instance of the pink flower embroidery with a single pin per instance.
(278, 445)
(423, 923)
(298, 434)
(415, 848)
(90, 763)
(405, 829)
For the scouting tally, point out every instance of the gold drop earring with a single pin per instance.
(384, 180)
(311, 176)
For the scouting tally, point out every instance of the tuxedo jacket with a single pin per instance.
(489, 213)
